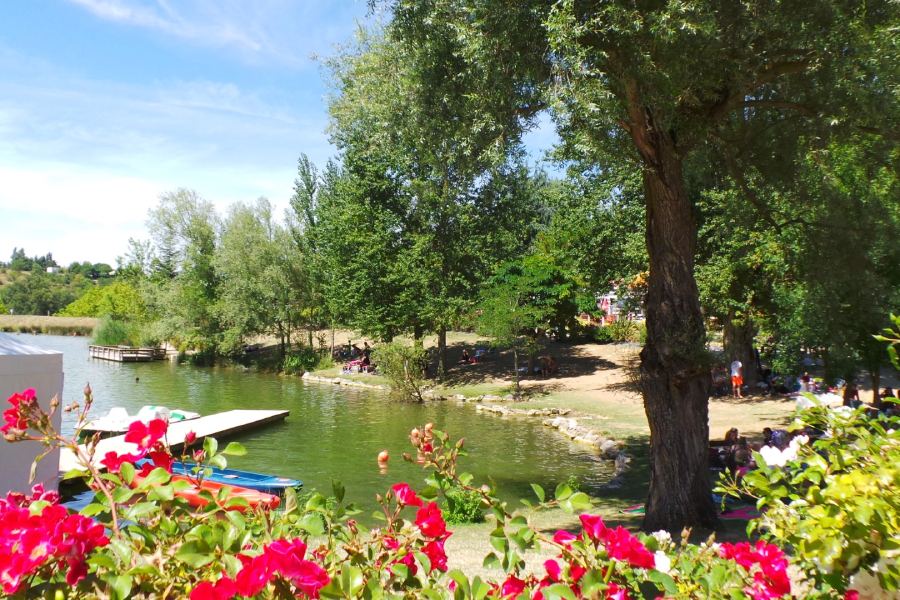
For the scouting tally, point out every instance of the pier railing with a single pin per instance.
(126, 353)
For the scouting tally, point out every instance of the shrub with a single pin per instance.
(624, 330)
(112, 332)
(220, 547)
(603, 335)
(403, 366)
(301, 360)
(833, 500)
(463, 506)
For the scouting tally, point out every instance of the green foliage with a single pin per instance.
(624, 330)
(41, 293)
(403, 365)
(833, 500)
(463, 506)
(119, 300)
(303, 359)
(113, 332)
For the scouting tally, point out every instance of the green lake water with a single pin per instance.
(331, 433)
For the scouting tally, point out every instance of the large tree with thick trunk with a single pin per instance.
(650, 81)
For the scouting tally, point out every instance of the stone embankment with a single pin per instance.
(342, 381)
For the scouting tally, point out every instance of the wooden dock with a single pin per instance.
(220, 426)
(126, 353)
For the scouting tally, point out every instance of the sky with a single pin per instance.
(107, 104)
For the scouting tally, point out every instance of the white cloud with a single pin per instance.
(285, 31)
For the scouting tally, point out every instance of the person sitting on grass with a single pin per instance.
(465, 359)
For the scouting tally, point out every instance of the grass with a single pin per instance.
(48, 325)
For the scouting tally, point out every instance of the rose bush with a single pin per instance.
(139, 538)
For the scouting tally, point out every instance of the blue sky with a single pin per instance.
(106, 104)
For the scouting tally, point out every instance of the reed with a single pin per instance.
(47, 325)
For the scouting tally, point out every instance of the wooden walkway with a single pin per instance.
(126, 353)
(219, 426)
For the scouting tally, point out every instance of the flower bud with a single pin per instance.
(189, 438)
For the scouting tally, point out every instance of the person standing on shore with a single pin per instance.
(737, 377)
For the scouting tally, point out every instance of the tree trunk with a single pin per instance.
(675, 378)
(738, 338)
(516, 370)
(875, 375)
(332, 339)
(442, 353)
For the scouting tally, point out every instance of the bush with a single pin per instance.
(463, 506)
(833, 500)
(296, 362)
(403, 366)
(603, 335)
(843, 546)
(112, 332)
(624, 330)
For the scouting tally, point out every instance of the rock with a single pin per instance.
(609, 449)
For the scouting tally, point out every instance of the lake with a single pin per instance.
(332, 432)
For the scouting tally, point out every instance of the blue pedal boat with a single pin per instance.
(270, 484)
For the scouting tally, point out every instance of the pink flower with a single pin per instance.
(405, 495)
(771, 581)
(284, 556)
(614, 592)
(564, 538)
(430, 521)
(512, 587)
(189, 438)
(434, 550)
(851, 595)
(593, 526)
(146, 435)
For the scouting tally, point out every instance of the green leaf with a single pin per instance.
(93, 509)
(235, 449)
(126, 470)
(580, 502)
(157, 476)
(539, 492)
(312, 524)
(562, 492)
(210, 446)
(338, 488)
(194, 554)
(121, 586)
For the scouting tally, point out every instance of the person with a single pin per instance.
(737, 378)
(777, 438)
(465, 358)
(367, 350)
(804, 382)
(851, 395)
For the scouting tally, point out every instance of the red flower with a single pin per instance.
(851, 595)
(593, 526)
(189, 438)
(113, 461)
(161, 459)
(309, 578)
(614, 592)
(512, 587)
(390, 542)
(254, 576)
(285, 556)
(410, 562)
(427, 447)
(14, 417)
(771, 581)
(146, 435)
(434, 550)
(553, 570)
(223, 589)
(430, 521)
(405, 495)
(621, 545)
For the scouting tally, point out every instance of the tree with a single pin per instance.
(261, 290)
(183, 230)
(40, 293)
(525, 299)
(430, 172)
(119, 300)
(18, 261)
(650, 84)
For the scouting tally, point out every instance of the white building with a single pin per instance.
(23, 366)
